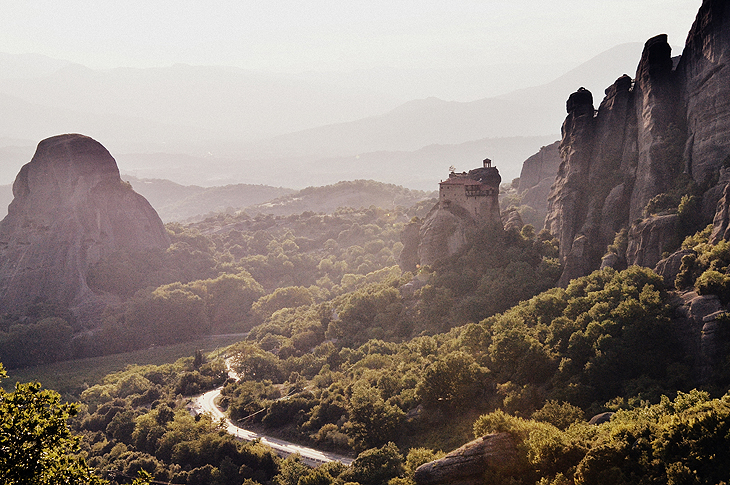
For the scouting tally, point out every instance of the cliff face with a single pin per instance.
(70, 209)
(444, 231)
(705, 90)
(536, 178)
(669, 125)
(467, 202)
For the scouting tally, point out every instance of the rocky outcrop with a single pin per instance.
(659, 134)
(721, 221)
(468, 464)
(468, 202)
(445, 230)
(649, 238)
(667, 129)
(512, 220)
(568, 198)
(668, 268)
(577, 262)
(700, 322)
(705, 89)
(601, 418)
(70, 209)
(537, 176)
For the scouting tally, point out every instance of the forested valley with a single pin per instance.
(345, 352)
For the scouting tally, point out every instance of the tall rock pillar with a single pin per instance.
(568, 195)
(660, 131)
(705, 72)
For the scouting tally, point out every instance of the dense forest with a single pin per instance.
(393, 368)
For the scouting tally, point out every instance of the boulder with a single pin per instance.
(467, 465)
(70, 209)
(601, 418)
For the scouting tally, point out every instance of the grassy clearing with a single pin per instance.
(71, 377)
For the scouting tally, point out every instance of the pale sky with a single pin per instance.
(337, 35)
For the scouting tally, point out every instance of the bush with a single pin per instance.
(713, 282)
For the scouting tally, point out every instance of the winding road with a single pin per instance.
(310, 456)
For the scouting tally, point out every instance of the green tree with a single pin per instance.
(451, 381)
(373, 421)
(377, 465)
(36, 445)
(289, 297)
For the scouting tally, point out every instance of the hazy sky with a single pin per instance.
(298, 35)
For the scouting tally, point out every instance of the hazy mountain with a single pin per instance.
(416, 169)
(528, 112)
(224, 103)
(175, 202)
(476, 81)
(17, 66)
(29, 122)
(195, 125)
(355, 194)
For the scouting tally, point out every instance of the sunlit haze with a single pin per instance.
(293, 94)
(292, 36)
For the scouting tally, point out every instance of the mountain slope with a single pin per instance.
(527, 112)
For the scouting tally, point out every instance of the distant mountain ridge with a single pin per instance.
(215, 114)
(190, 203)
(527, 112)
(355, 194)
(175, 202)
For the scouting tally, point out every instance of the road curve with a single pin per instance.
(310, 456)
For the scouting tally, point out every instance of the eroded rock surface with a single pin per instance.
(649, 238)
(467, 465)
(537, 176)
(721, 222)
(70, 209)
(444, 231)
(666, 129)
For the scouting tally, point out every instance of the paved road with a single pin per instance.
(206, 403)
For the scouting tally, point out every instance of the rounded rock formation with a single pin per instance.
(70, 209)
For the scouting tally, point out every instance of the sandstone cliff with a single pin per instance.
(665, 132)
(467, 203)
(537, 176)
(70, 209)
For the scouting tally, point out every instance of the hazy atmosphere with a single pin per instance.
(327, 243)
(395, 92)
